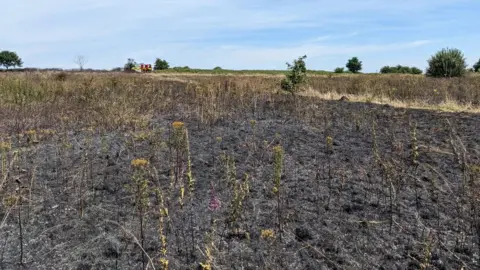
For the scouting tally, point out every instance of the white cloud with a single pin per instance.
(69, 20)
(190, 32)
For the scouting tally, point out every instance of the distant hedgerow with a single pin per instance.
(400, 69)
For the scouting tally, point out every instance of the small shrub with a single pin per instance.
(62, 76)
(400, 69)
(416, 70)
(182, 69)
(447, 63)
(386, 70)
(296, 76)
(339, 70)
(160, 64)
(354, 65)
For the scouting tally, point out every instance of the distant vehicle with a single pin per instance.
(143, 68)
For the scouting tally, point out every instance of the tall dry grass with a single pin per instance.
(115, 100)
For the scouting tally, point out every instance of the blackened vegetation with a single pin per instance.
(401, 186)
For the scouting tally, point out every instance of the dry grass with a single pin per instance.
(447, 105)
(40, 100)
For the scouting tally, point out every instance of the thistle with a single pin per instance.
(163, 211)
(240, 191)
(190, 179)
(183, 167)
(140, 190)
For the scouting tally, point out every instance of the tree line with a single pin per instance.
(448, 62)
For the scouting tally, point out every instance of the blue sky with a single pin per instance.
(241, 34)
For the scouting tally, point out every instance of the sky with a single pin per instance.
(241, 34)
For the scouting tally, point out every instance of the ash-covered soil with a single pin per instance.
(361, 203)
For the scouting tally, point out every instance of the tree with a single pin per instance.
(217, 68)
(476, 66)
(354, 65)
(130, 64)
(10, 59)
(161, 64)
(296, 76)
(447, 63)
(339, 70)
(80, 60)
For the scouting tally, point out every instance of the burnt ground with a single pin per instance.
(341, 208)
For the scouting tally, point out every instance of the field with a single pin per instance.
(224, 171)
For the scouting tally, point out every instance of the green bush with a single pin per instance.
(160, 64)
(400, 69)
(339, 70)
(182, 69)
(386, 70)
(296, 76)
(416, 70)
(447, 63)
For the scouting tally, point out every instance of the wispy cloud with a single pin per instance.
(236, 34)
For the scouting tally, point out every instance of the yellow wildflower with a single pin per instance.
(277, 149)
(267, 234)
(205, 266)
(164, 263)
(47, 131)
(329, 140)
(177, 124)
(139, 162)
(5, 146)
(31, 132)
(10, 200)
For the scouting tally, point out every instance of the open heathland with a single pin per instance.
(199, 171)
